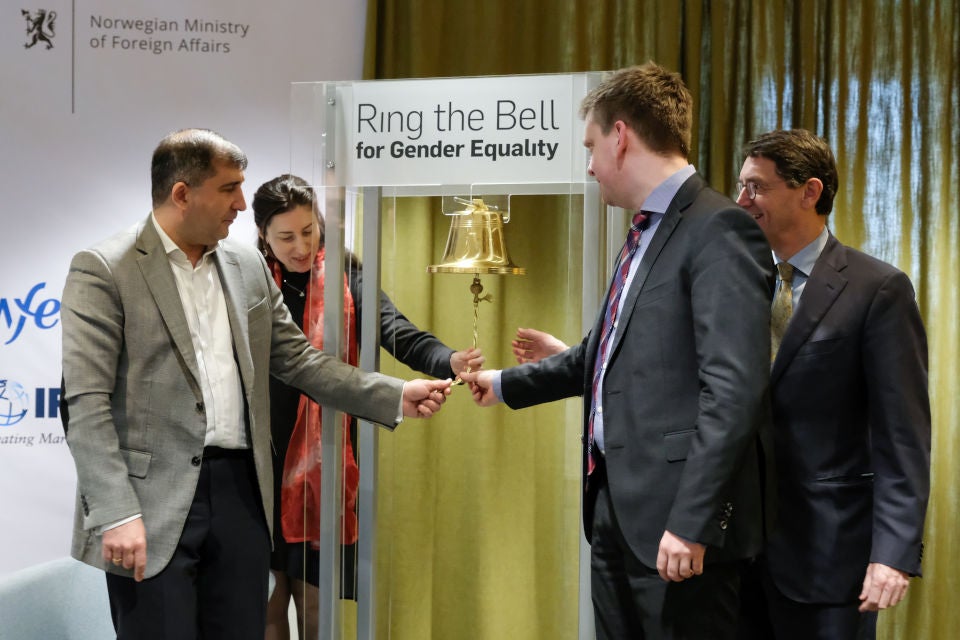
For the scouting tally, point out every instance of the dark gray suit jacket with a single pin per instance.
(685, 391)
(137, 421)
(851, 430)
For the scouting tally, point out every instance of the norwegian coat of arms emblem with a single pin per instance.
(40, 27)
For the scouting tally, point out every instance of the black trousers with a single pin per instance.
(632, 602)
(215, 586)
(767, 614)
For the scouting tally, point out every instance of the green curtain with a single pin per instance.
(478, 508)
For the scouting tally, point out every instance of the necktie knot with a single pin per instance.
(637, 225)
(785, 269)
(639, 221)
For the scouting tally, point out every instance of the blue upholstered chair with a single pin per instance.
(58, 600)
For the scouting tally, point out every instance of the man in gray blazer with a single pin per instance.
(850, 409)
(170, 335)
(673, 375)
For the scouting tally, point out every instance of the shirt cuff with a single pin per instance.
(106, 527)
(497, 389)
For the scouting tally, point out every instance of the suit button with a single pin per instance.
(723, 524)
(199, 407)
(196, 460)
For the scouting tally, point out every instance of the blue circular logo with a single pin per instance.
(13, 403)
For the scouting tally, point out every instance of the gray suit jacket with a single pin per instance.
(133, 409)
(685, 391)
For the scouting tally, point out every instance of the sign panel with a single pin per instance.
(458, 131)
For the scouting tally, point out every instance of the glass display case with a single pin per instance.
(469, 522)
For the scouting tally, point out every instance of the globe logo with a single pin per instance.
(13, 403)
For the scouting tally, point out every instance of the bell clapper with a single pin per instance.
(476, 289)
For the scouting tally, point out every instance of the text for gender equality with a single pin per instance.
(413, 125)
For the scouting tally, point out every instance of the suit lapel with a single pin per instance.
(668, 224)
(157, 273)
(819, 293)
(231, 279)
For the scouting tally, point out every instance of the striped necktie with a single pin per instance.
(638, 224)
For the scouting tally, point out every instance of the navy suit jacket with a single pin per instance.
(851, 430)
(685, 391)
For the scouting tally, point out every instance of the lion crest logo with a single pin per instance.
(40, 27)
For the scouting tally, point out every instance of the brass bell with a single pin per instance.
(475, 243)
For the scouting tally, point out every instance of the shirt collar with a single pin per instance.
(804, 259)
(170, 247)
(660, 198)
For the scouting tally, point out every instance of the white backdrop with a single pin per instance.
(78, 123)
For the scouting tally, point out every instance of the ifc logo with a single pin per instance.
(13, 403)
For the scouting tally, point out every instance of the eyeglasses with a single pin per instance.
(752, 188)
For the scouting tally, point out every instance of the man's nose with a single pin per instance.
(743, 199)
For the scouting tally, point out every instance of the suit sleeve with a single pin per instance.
(729, 292)
(92, 317)
(895, 367)
(555, 378)
(420, 350)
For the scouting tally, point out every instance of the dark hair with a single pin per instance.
(189, 156)
(798, 156)
(280, 195)
(651, 100)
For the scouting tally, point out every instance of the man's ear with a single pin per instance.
(621, 128)
(812, 189)
(179, 194)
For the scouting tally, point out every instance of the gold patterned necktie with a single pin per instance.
(782, 307)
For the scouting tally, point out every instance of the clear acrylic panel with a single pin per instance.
(469, 522)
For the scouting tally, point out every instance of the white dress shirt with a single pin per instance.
(205, 307)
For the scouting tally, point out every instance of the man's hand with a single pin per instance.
(883, 587)
(126, 546)
(678, 559)
(532, 345)
(481, 386)
(467, 360)
(422, 398)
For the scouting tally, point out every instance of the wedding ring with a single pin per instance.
(117, 560)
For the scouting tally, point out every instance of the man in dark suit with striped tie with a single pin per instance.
(673, 374)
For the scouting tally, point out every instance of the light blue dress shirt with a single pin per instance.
(656, 204)
(802, 263)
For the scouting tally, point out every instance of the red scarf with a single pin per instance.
(300, 487)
